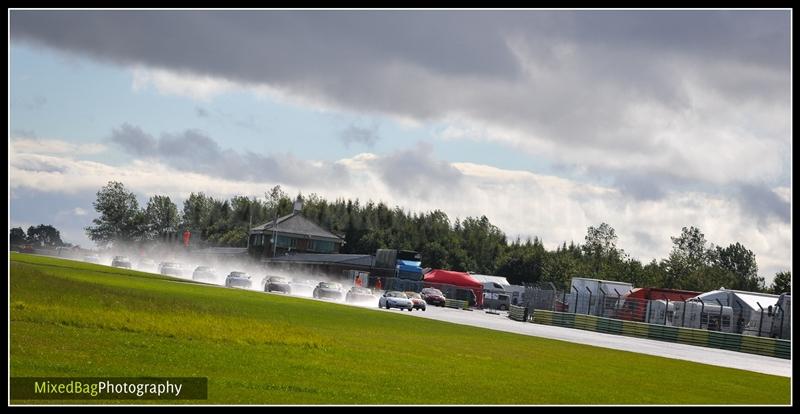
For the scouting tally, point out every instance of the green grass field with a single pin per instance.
(75, 319)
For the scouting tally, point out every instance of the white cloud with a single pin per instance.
(199, 87)
(79, 211)
(55, 146)
(784, 192)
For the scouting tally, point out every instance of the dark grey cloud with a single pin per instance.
(593, 83)
(650, 186)
(266, 45)
(357, 135)
(134, 140)
(641, 187)
(763, 203)
(193, 151)
(263, 45)
(415, 172)
(201, 112)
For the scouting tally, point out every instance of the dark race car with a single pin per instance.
(277, 284)
(238, 279)
(359, 294)
(433, 296)
(328, 290)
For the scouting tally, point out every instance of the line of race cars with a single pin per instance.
(317, 289)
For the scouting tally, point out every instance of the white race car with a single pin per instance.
(395, 299)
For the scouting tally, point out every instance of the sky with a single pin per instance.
(545, 121)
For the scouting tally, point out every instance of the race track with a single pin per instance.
(711, 356)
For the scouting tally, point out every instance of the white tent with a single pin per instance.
(491, 282)
(747, 312)
(740, 298)
(500, 284)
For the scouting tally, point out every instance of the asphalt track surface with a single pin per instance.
(711, 356)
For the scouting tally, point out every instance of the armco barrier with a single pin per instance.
(516, 313)
(779, 348)
(457, 304)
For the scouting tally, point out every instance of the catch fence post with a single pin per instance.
(589, 309)
(683, 317)
(760, 319)
(577, 294)
(702, 310)
(720, 315)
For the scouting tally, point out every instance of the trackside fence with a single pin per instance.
(766, 321)
(772, 347)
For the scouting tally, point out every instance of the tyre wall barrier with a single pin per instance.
(779, 348)
(516, 313)
(456, 304)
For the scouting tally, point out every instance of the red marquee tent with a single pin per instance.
(461, 279)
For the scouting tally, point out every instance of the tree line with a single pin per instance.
(469, 244)
(43, 235)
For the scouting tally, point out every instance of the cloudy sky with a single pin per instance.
(547, 122)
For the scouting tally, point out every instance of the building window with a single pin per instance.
(322, 246)
(284, 241)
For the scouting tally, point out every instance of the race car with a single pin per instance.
(395, 299)
(121, 261)
(204, 273)
(146, 265)
(303, 287)
(433, 296)
(359, 294)
(238, 279)
(328, 290)
(277, 284)
(415, 297)
(170, 268)
(91, 258)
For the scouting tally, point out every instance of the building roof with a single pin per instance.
(296, 224)
(321, 258)
(221, 250)
(751, 299)
(601, 280)
(487, 278)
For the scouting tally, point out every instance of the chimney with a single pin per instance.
(298, 204)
